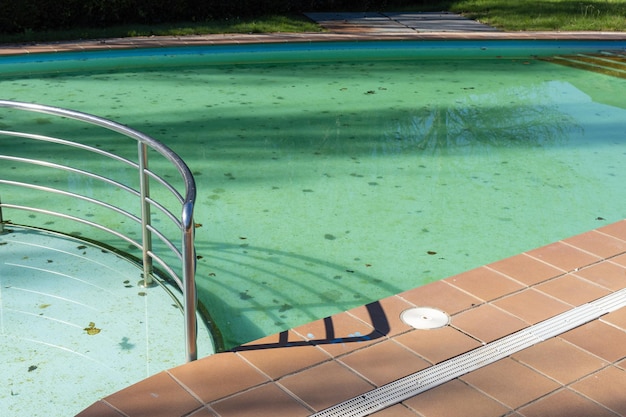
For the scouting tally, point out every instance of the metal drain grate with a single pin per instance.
(421, 381)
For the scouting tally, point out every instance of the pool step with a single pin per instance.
(74, 312)
(608, 63)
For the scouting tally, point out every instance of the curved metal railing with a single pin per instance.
(44, 174)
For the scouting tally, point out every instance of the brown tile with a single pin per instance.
(384, 362)
(616, 318)
(484, 283)
(264, 401)
(621, 364)
(617, 229)
(532, 306)
(99, 409)
(455, 399)
(339, 334)
(159, 395)
(440, 295)
(398, 410)
(509, 382)
(218, 375)
(563, 256)
(597, 243)
(606, 274)
(526, 269)
(565, 403)
(384, 315)
(599, 338)
(572, 290)
(279, 361)
(605, 387)
(325, 385)
(560, 360)
(487, 323)
(437, 345)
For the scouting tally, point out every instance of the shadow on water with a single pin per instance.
(281, 286)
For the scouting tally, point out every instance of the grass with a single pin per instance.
(552, 15)
(262, 24)
(511, 15)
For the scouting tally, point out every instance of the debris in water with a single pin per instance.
(244, 295)
(92, 329)
(285, 307)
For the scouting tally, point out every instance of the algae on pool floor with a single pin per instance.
(326, 184)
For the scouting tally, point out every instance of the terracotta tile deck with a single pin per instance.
(581, 372)
(299, 372)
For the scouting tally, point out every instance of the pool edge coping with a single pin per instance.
(306, 37)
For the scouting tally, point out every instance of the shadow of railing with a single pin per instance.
(378, 321)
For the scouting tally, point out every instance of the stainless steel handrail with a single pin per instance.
(183, 221)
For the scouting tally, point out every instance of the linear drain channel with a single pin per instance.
(409, 386)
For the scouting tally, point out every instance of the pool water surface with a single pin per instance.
(327, 181)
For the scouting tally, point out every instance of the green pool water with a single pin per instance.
(333, 175)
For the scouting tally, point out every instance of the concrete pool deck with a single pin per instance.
(307, 369)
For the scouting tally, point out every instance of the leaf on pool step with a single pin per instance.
(92, 329)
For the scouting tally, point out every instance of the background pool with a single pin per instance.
(343, 177)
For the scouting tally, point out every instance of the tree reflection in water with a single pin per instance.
(474, 123)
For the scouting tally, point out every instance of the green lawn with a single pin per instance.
(562, 15)
(512, 15)
(262, 24)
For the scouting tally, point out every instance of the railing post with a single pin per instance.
(1, 219)
(146, 235)
(145, 143)
(190, 298)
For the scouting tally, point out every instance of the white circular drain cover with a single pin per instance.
(425, 318)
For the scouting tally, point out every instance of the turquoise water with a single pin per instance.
(333, 175)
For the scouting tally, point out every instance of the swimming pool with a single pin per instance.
(331, 175)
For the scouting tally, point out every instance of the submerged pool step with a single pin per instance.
(608, 63)
(72, 314)
(414, 384)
